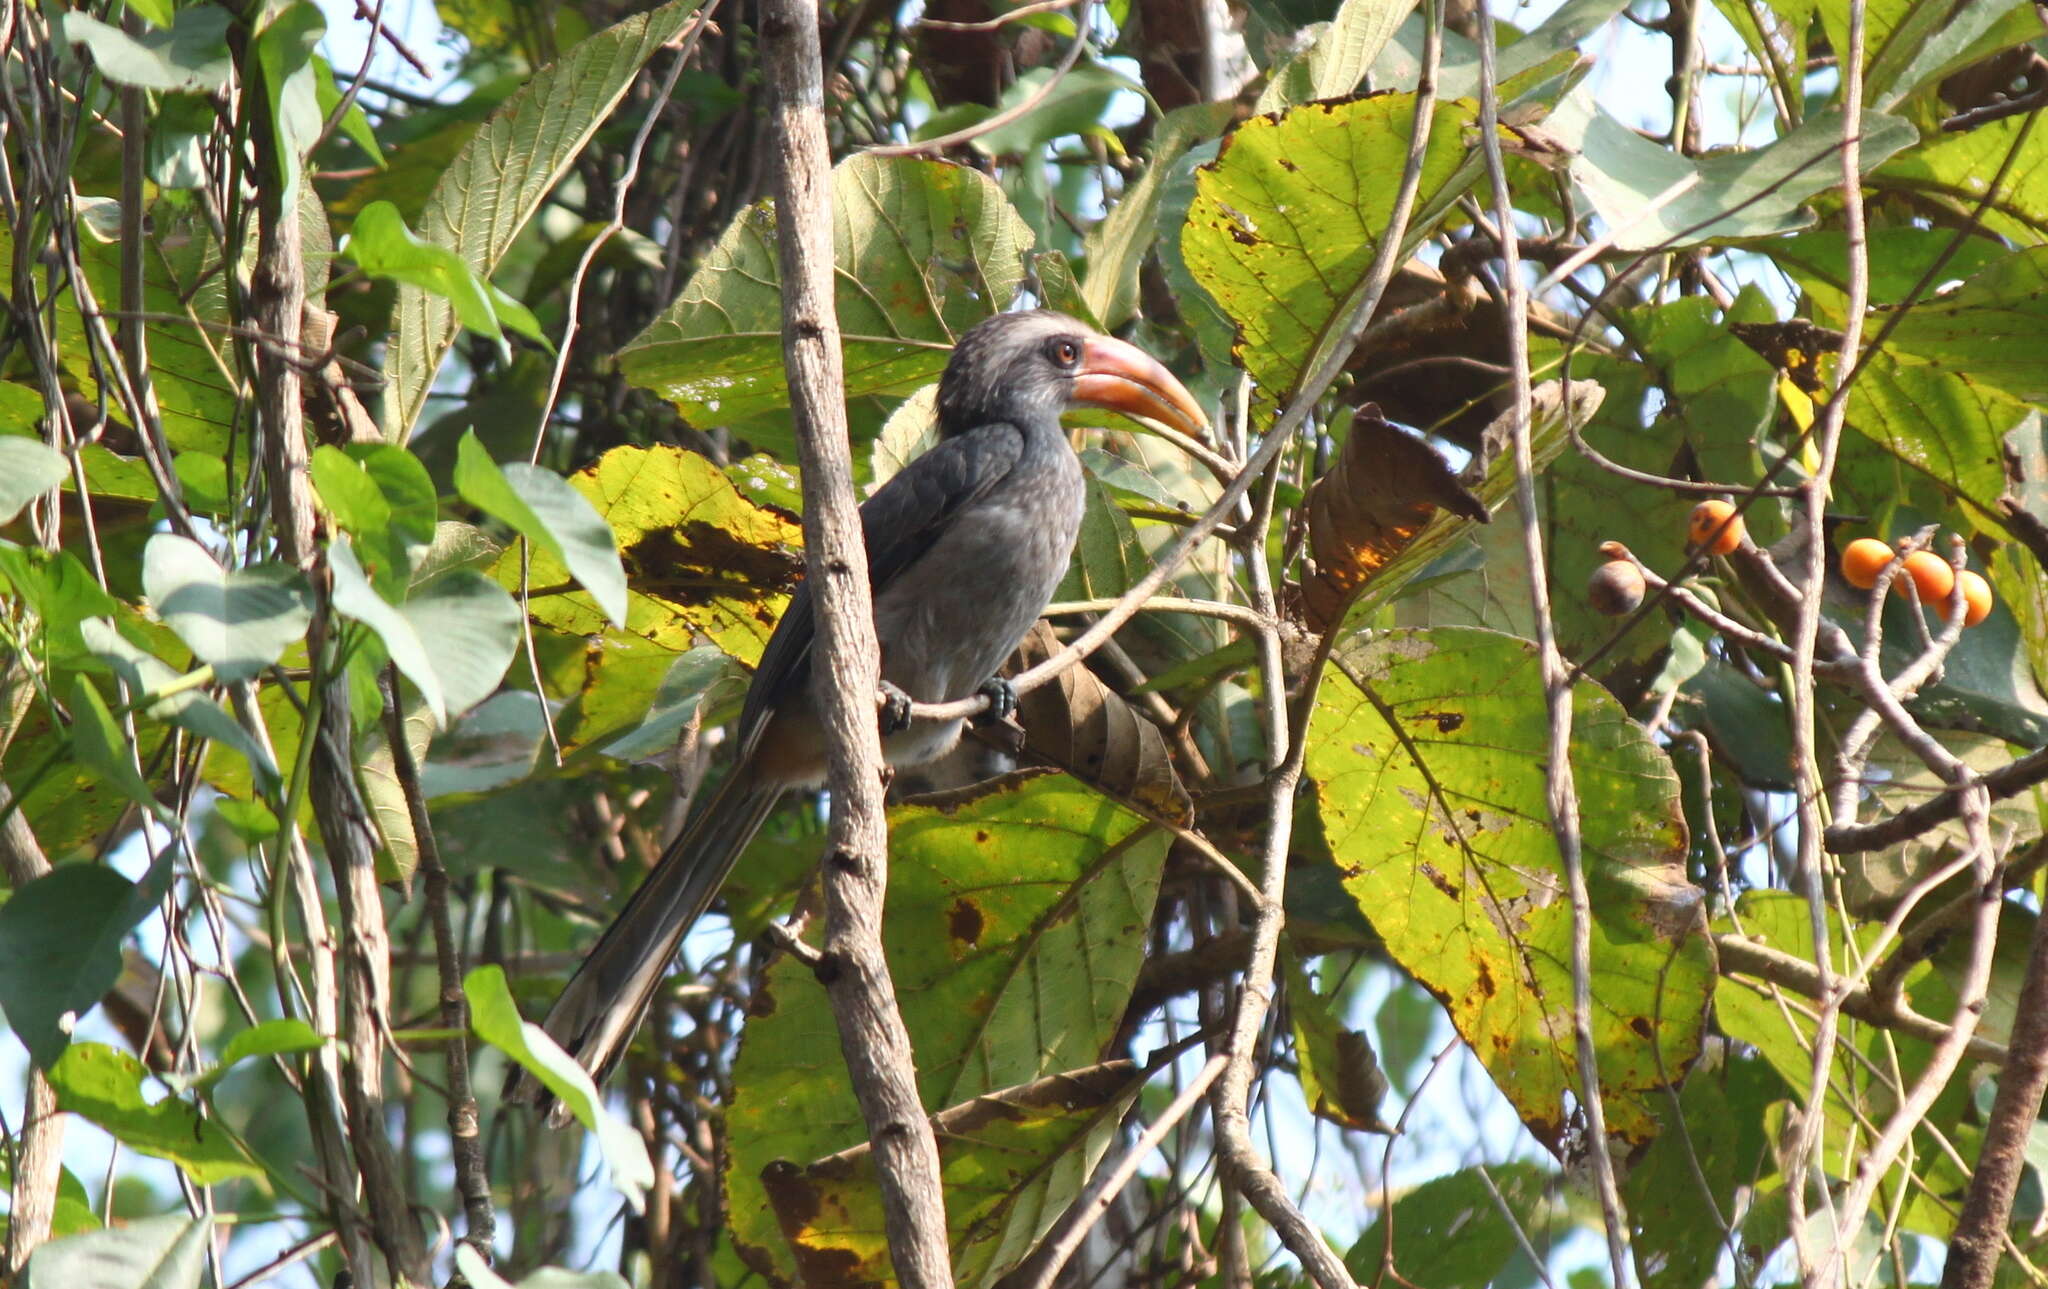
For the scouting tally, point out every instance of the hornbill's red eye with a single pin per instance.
(1066, 352)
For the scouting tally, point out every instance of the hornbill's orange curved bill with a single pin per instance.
(1124, 378)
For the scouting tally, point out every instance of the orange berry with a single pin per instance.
(1976, 598)
(1715, 527)
(1615, 588)
(1862, 561)
(1932, 576)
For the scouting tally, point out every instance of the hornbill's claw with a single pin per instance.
(1002, 698)
(895, 716)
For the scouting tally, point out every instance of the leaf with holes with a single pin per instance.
(1428, 751)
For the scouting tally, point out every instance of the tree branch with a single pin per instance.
(846, 674)
(1979, 1240)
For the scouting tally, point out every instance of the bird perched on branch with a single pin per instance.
(965, 548)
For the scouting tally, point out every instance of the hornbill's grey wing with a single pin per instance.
(900, 523)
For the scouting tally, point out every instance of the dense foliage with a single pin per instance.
(397, 488)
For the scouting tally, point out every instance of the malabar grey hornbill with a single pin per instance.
(965, 548)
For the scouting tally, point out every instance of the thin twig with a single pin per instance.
(1000, 119)
(1560, 793)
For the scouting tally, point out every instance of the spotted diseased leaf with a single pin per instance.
(1287, 219)
(700, 560)
(1082, 726)
(997, 1155)
(1379, 494)
(1428, 752)
(1016, 918)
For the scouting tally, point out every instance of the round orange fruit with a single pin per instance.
(1715, 527)
(1862, 561)
(1932, 576)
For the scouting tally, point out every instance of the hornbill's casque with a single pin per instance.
(965, 547)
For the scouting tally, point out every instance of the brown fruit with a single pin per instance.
(1932, 576)
(1976, 598)
(1862, 561)
(1615, 588)
(1715, 527)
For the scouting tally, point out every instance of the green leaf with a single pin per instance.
(690, 681)
(1449, 1232)
(190, 56)
(1428, 752)
(1075, 106)
(249, 820)
(1117, 246)
(60, 949)
(1340, 56)
(240, 622)
(382, 246)
(348, 492)
(1988, 329)
(495, 1018)
(355, 598)
(268, 1038)
(924, 251)
(499, 178)
(384, 794)
(1013, 949)
(1286, 220)
(1755, 192)
(541, 507)
(911, 431)
(150, 1253)
(354, 122)
(283, 49)
(189, 709)
(469, 628)
(100, 746)
(105, 1087)
(1720, 1143)
(28, 469)
(1948, 175)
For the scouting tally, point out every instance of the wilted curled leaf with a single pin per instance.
(1086, 728)
(1380, 493)
(994, 1151)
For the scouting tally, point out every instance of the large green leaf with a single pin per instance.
(1286, 220)
(1449, 1232)
(1989, 329)
(499, 178)
(104, 1086)
(152, 1253)
(1016, 927)
(239, 621)
(1428, 752)
(1739, 193)
(60, 949)
(190, 56)
(924, 251)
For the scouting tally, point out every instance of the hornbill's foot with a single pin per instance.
(895, 716)
(1002, 699)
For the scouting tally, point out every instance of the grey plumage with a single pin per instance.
(965, 546)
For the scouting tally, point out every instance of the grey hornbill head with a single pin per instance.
(1026, 368)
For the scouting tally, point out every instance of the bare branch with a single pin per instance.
(846, 673)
